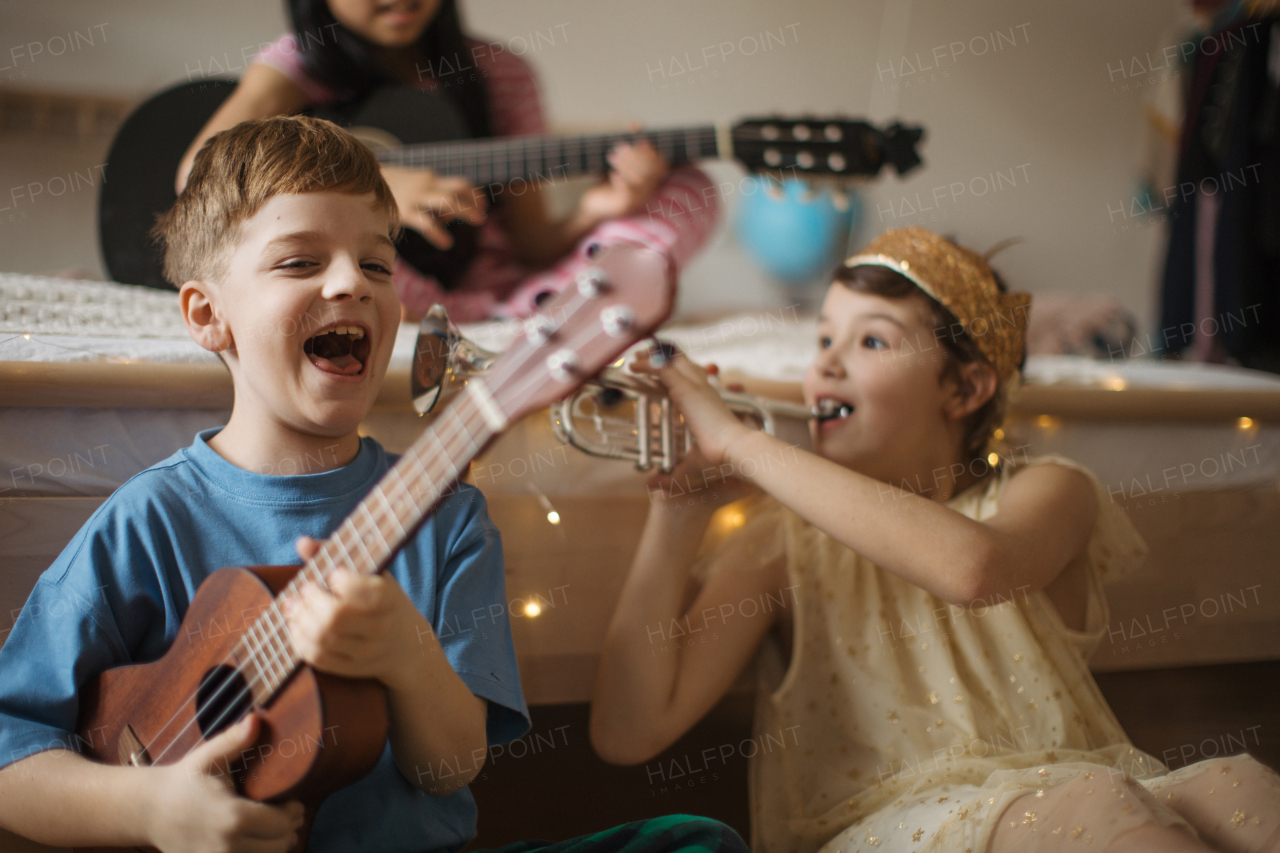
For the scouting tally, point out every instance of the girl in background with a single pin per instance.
(340, 50)
(923, 613)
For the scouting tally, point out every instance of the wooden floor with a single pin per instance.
(554, 786)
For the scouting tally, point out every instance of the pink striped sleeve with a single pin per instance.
(284, 56)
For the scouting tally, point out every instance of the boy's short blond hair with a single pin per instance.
(238, 170)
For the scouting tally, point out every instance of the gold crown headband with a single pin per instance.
(961, 280)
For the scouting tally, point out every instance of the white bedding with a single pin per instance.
(87, 452)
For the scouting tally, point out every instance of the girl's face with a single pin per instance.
(878, 368)
(386, 23)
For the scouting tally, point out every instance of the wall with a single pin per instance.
(1045, 122)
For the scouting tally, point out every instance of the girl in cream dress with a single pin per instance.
(920, 607)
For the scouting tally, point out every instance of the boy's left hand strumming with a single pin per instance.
(357, 629)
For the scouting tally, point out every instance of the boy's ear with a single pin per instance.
(975, 385)
(204, 322)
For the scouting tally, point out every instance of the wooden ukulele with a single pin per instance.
(233, 654)
(412, 128)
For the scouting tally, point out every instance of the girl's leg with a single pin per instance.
(1102, 811)
(676, 222)
(1234, 803)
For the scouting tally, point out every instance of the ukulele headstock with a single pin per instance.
(835, 147)
(622, 297)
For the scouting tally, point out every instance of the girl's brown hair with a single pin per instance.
(238, 170)
(958, 347)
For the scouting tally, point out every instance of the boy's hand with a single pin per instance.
(195, 808)
(713, 426)
(357, 629)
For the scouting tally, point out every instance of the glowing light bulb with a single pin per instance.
(532, 609)
(993, 459)
(1245, 423)
(554, 518)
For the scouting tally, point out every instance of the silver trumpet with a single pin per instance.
(615, 415)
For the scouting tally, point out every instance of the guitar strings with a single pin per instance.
(571, 152)
(462, 427)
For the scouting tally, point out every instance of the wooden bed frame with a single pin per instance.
(1207, 547)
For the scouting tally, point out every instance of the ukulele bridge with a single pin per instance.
(131, 750)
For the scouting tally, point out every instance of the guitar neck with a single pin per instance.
(373, 532)
(549, 158)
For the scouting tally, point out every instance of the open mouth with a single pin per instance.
(342, 350)
(398, 8)
(831, 409)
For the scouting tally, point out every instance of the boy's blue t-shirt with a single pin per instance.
(117, 594)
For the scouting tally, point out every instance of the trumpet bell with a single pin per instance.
(443, 360)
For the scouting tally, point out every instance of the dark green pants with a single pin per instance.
(678, 833)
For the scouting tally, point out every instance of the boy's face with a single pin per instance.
(308, 311)
(879, 363)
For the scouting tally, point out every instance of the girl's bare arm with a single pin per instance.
(1046, 513)
(664, 665)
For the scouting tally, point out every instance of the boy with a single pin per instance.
(282, 244)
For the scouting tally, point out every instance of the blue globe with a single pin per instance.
(795, 235)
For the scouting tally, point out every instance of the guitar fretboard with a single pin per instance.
(366, 540)
(548, 158)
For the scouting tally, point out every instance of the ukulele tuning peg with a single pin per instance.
(617, 320)
(563, 364)
(591, 282)
(539, 329)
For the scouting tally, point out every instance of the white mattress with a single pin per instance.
(87, 452)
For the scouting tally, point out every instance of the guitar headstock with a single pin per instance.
(623, 296)
(832, 147)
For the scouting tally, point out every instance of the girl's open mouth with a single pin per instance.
(342, 350)
(831, 409)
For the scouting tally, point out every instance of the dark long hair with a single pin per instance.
(344, 61)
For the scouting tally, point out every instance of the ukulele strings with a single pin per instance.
(461, 427)
(456, 430)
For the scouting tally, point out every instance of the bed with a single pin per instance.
(98, 381)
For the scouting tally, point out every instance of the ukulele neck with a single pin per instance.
(545, 159)
(372, 533)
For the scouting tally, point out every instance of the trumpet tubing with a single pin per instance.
(631, 416)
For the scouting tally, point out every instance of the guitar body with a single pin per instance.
(317, 734)
(138, 178)
(416, 129)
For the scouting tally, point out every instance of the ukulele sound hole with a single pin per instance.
(222, 699)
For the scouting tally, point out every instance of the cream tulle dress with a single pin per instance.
(904, 723)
